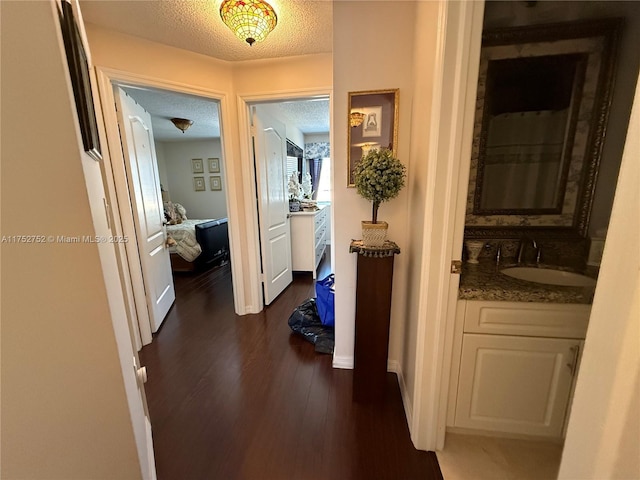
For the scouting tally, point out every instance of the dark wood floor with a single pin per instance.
(243, 398)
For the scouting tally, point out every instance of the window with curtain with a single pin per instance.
(323, 190)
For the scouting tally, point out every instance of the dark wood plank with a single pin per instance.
(244, 398)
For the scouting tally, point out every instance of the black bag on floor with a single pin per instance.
(306, 321)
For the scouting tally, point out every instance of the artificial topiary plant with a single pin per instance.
(379, 177)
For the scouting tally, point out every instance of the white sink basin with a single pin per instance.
(549, 277)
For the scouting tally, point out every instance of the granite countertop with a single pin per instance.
(483, 281)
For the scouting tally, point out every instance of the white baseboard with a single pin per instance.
(394, 366)
(249, 310)
(490, 433)
(343, 362)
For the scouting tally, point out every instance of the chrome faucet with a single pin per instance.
(521, 249)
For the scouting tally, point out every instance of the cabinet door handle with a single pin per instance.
(573, 365)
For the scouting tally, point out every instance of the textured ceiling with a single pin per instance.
(304, 26)
(163, 106)
(309, 116)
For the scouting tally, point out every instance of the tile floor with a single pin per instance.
(471, 457)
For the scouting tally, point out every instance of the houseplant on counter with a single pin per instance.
(379, 177)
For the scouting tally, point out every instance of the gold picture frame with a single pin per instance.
(373, 123)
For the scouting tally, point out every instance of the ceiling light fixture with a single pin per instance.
(182, 123)
(356, 119)
(250, 20)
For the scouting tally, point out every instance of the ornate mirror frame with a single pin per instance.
(595, 43)
(372, 123)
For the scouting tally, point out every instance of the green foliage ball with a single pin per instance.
(379, 176)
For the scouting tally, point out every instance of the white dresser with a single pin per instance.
(308, 239)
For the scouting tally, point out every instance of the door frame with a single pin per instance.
(452, 116)
(130, 268)
(244, 103)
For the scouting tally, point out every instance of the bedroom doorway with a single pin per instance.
(190, 177)
(141, 168)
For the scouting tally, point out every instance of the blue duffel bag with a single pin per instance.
(325, 300)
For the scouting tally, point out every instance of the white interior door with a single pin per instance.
(270, 151)
(144, 186)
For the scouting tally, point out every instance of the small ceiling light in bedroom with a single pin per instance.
(182, 123)
(250, 20)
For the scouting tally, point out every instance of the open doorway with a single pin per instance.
(299, 129)
(178, 208)
(191, 170)
(465, 418)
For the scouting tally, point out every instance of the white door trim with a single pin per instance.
(249, 177)
(106, 78)
(454, 92)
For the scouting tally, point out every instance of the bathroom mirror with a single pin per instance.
(541, 112)
(373, 123)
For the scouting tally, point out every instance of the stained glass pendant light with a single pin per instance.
(250, 20)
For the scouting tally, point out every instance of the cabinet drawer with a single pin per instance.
(320, 234)
(321, 215)
(527, 319)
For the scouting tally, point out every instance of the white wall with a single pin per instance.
(602, 438)
(64, 403)
(293, 132)
(384, 61)
(316, 138)
(177, 162)
(162, 166)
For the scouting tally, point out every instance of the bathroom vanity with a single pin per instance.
(516, 353)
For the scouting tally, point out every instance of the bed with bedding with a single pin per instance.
(195, 244)
(199, 245)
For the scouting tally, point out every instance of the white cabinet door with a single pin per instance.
(515, 384)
